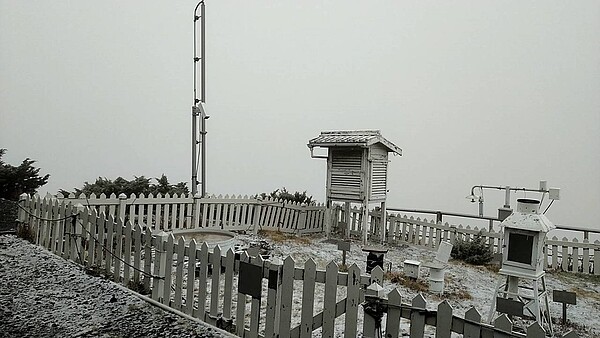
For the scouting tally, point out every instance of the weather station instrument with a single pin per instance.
(198, 112)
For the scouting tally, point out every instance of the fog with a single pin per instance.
(474, 92)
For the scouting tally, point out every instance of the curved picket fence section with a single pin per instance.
(569, 255)
(225, 212)
(248, 296)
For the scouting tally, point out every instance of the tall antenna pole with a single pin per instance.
(203, 99)
(197, 108)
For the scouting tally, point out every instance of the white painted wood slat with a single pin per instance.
(166, 296)
(202, 256)
(127, 253)
(308, 298)
(287, 292)
(352, 301)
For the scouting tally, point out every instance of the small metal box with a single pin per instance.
(503, 213)
(554, 193)
(411, 268)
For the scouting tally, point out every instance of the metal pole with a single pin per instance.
(507, 197)
(203, 96)
(202, 54)
(203, 138)
(194, 152)
(197, 109)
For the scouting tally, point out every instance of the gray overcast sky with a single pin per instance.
(474, 92)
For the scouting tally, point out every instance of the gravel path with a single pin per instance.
(42, 295)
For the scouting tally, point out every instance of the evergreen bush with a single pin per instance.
(15, 181)
(139, 185)
(286, 196)
(475, 252)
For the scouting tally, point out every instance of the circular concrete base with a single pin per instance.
(212, 237)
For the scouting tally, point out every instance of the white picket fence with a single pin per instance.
(190, 278)
(391, 312)
(214, 286)
(245, 213)
(570, 255)
(226, 212)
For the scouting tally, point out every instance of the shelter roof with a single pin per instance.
(352, 138)
(528, 221)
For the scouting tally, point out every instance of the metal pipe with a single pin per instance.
(507, 188)
(503, 188)
(198, 110)
(203, 95)
(195, 109)
(443, 213)
(480, 206)
(202, 55)
(203, 138)
(194, 151)
(455, 214)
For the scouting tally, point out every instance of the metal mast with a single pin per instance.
(197, 108)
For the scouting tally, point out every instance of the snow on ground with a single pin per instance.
(43, 295)
(465, 285)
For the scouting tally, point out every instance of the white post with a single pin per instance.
(365, 222)
(328, 218)
(383, 221)
(279, 263)
(513, 287)
(122, 206)
(347, 218)
(371, 324)
(196, 211)
(161, 238)
(257, 211)
(78, 234)
(302, 219)
(22, 215)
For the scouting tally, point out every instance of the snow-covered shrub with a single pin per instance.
(475, 252)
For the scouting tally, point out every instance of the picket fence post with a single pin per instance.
(122, 205)
(241, 303)
(274, 290)
(471, 329)
(352, 300)
(24, 204)
(196, 211)
(394, 314)
(373, 311)
(215, 261)
(191, 278)
(256, 219)
(308, 296)
(147, 257)
(287, 291)
(168, 268)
